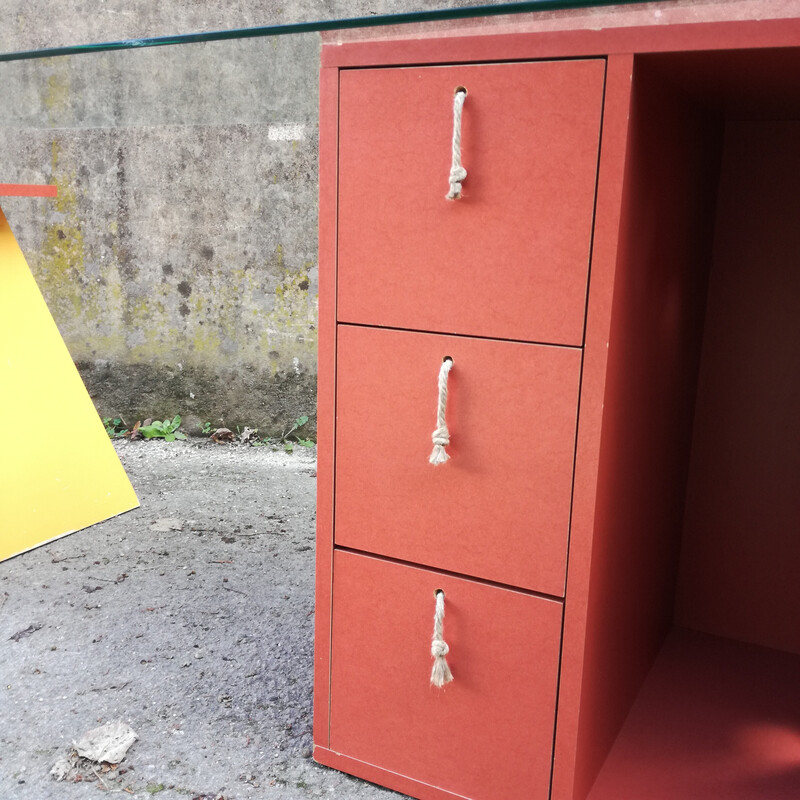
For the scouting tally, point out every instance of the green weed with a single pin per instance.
(166, 430)
(290, 437)
(115, 427)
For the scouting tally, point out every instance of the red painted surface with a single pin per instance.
(601, 289)
(499, 508)
(27, 190)
(508, 260)
(653, 355)
(742, 539)
(715, 719)
(326, 398)
(487, 734)
(650, 255)
(601, 39)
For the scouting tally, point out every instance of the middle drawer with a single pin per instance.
(499, 508)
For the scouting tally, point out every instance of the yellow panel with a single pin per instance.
(58, 470)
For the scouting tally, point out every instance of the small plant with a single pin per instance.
(166, 430)
(207, 429)
(290, 438)
(115, 427)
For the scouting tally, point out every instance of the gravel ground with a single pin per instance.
(191, 619)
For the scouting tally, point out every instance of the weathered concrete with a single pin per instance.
(180, 257)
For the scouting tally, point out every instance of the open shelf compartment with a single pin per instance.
(691, 671)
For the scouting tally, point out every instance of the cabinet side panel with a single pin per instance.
(601, 285)
(653, 356)
(326, 394)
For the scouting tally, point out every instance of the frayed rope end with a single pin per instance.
(454, 193)
(440, 675)
(439, 455)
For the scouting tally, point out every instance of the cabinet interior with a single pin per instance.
(693, 643)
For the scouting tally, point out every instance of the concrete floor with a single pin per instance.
(191, 619)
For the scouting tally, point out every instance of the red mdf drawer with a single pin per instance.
(510, 258)
(499, 508)
(488, 735)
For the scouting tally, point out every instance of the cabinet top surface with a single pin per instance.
(641, 28)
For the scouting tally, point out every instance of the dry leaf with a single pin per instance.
(133, 433)
(108, 743)
(248, 435)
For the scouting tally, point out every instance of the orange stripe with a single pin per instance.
(27, 190)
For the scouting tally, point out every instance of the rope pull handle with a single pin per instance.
(441, 436)
(457, 171)
(440, 674)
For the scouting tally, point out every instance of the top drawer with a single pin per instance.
(510, 258)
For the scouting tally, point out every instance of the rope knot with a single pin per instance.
(441, 437)
(439, 648)
(457, 174)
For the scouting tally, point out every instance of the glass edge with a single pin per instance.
(467, 12)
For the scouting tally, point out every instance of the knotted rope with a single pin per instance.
(440, 674)
(457, 172)
(441, 436)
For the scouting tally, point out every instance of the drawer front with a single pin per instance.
(488, 735)
(510, 258)
(499, 508)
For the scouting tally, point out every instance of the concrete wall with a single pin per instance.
(179, 259)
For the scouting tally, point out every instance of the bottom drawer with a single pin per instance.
(488, 734)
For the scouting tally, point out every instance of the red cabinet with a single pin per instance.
(624, 251)
(497, 282)
(499, 508)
